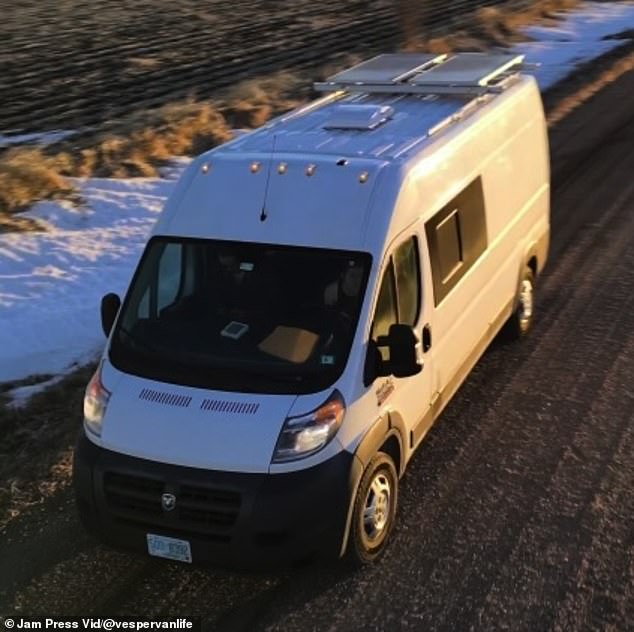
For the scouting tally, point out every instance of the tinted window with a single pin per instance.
(456, 236)
(449, 248)
(163, 290)
(399, 295)
(385, 314)
(169, 275)
(407, 281)
(240, 316)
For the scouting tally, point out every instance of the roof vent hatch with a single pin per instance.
(359, 117)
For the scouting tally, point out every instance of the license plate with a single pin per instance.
(169, 548)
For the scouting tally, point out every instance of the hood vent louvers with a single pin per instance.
(359, 117)
(237, 408)
(166, 399)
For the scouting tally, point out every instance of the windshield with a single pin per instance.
(240, 316)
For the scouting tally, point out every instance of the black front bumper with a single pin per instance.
(230, 519)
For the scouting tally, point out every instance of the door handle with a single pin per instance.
(426, 338)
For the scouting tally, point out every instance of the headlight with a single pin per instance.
(95, 403)
(304, 435)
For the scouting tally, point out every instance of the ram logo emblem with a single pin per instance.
(168, 502)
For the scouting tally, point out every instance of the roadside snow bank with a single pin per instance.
(582, 35)
(51, 283)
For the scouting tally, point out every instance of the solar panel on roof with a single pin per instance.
(467, 69)
(388, 68)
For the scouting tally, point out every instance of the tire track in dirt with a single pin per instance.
(589, 502)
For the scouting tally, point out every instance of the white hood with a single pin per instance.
(194, 427)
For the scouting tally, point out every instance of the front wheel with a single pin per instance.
(373, 512)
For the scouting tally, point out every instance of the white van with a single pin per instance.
(312, 296)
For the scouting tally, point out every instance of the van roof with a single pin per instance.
(357, 142)
(330, 129)
(387, 107)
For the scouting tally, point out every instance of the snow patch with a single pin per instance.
(577, 38)
(51, 283)
(20, 396)
(40, 138)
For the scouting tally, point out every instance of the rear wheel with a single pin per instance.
(521, 320)
(373, 512)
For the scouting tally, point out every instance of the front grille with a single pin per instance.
(209, 506)
(132, 493)
(208, 511)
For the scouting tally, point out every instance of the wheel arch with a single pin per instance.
(534, 256)
(389, 432)
(385, 435)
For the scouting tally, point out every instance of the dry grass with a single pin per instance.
(27, 174)
(508, 22)
(139, 144)
(252, 103)
(143, 141)
(495, 27)
(37, 444)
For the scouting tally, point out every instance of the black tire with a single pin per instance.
(521, 321)
(377, 500)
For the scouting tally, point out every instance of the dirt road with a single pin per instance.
(516, 513)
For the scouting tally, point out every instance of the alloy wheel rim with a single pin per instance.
(526, 303)
(376, 511)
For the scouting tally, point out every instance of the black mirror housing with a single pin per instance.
(110, 305)
(402, 342)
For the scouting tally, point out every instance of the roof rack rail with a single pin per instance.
(415, 73)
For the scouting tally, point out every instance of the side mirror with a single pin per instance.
(402, 343)
(110, 305)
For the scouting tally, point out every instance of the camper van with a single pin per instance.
(312, 296)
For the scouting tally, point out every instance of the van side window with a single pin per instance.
(385, 315)
(450, 257)
(456, 237)
(399, 296)
(169, 276)
(165, 286)
(407, 281)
